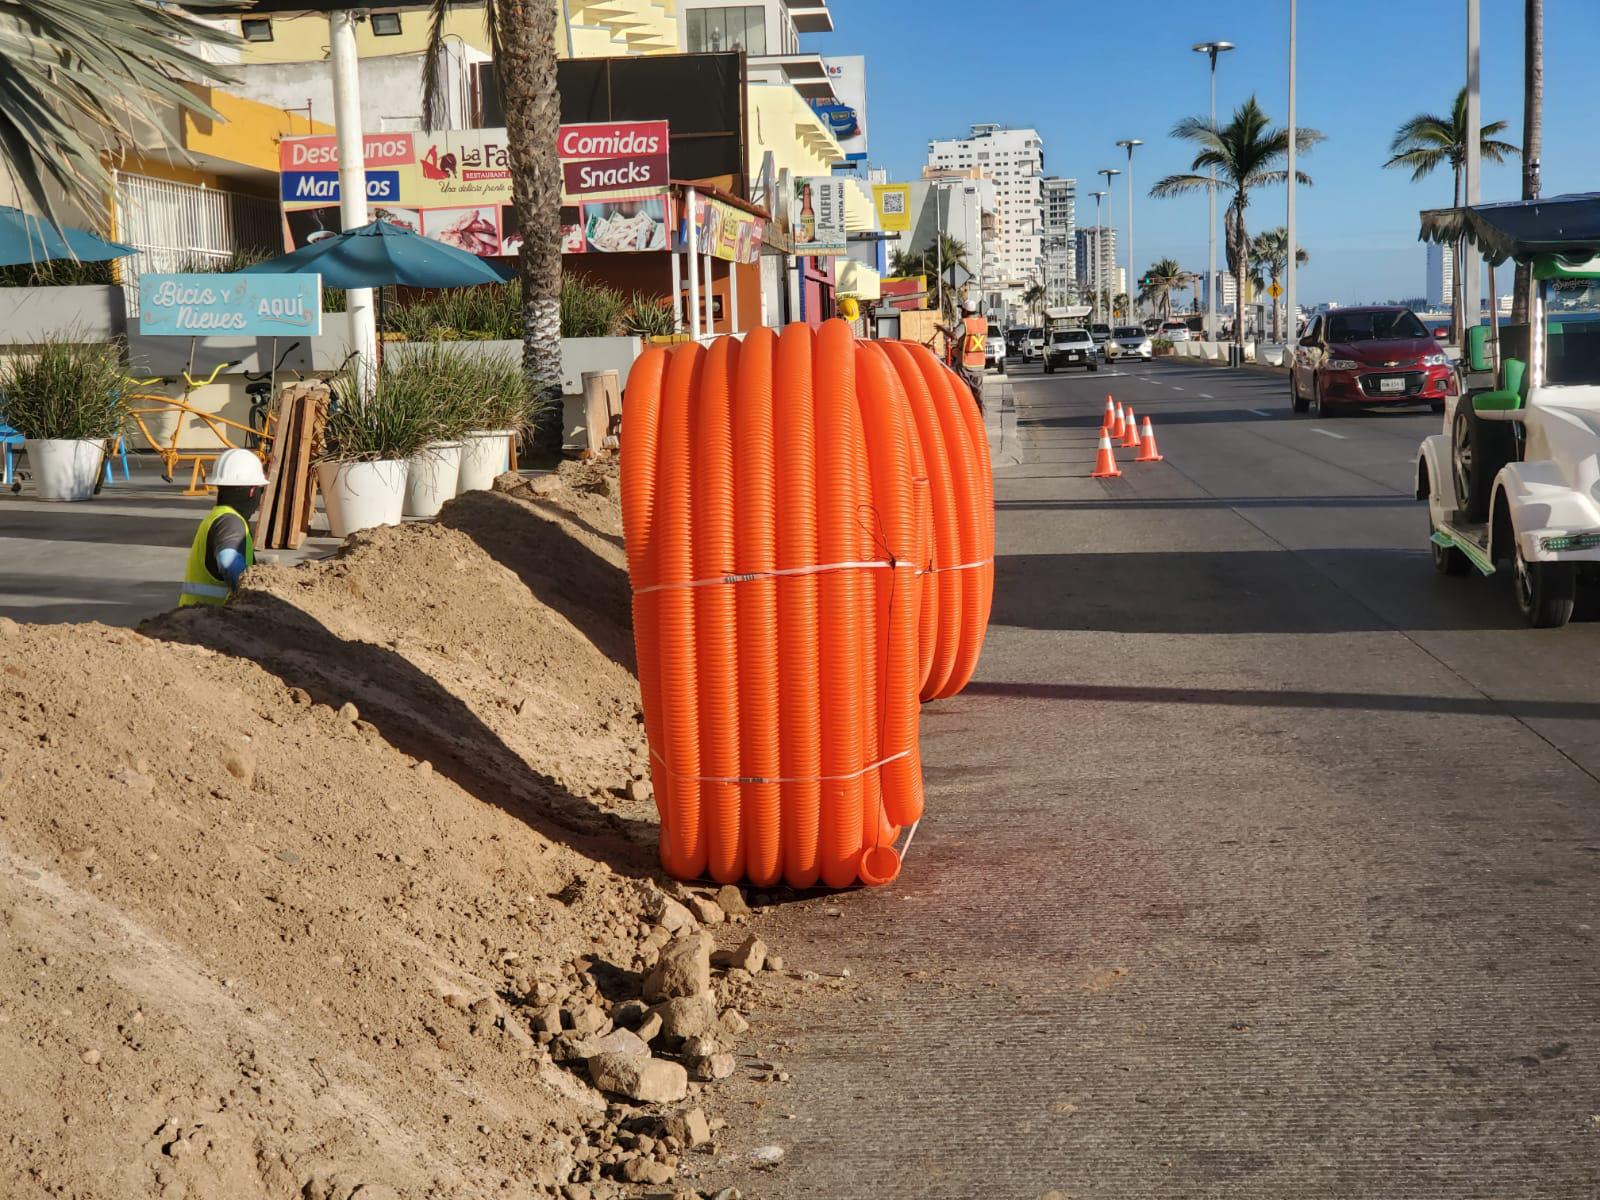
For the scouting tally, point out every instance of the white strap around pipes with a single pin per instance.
(882, 762)
(790, 572)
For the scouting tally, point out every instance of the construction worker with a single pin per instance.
(222, 546)
(967, 347)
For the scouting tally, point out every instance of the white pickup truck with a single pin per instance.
(1515, 475)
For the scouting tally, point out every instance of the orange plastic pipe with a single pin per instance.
(683, 840)
(917, 368)
(886, 419)
(716, 633)
(640, 444)
(837, 501)
(928, 605)
(799, 698)
(755, 552)
(949, 394)
(985, 515)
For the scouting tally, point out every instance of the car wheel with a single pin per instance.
(1478, 449)
(1546, 591)
(1094, 366)
(1314, 406)
(1296, 402)
(1002, 366)
(1447, 560)
(1049, 368)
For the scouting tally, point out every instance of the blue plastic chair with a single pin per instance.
(10, 443)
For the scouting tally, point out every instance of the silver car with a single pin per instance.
(1130, 341)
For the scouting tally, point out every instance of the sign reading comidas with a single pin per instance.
(609, 157)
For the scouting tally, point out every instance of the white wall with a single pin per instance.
(391, 88)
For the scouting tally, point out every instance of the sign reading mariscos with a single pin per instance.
(455, 185)
(194, 305)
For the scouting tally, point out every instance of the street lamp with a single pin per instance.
(1096, 261)
(1128, 144)
(1111, 303)
(1289, 301)
(1211, 50)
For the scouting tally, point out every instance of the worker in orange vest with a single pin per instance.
(967, 347)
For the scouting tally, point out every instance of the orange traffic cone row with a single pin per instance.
(1130, 435)
(1105, 463)
(1117, 429)
(1111, 416)
(1147, 447)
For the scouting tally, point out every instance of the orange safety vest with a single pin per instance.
(972, 345)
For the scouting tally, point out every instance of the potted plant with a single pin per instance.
(66, 402)
(443, 374)
(367, 445)
(495, 398)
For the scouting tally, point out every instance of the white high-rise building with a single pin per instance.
(1441, 275)
(1097, 260)
(1014, 160)
(1060, 238)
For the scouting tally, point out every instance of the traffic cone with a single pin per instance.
(1117, 429)
(1130, 436)
(1111, 416)
(1147, 448)
(1105, 463)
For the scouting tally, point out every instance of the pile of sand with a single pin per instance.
(290, 891)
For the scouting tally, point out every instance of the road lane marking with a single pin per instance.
(1174, 387)
(1329, 433)
(1204, 395)
(1260, 412)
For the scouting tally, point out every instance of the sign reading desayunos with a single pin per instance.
(248, 305)
(455, 185)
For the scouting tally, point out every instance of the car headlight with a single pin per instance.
(1144, 346)
(1343, 364)
(1436, 360)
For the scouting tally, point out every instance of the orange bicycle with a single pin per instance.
(257, 439)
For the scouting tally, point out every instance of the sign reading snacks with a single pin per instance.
(893, 202)
(817, 214)
(237, 304)
(455, 185)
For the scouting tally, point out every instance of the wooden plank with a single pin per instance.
(313, 413)
(275, 464)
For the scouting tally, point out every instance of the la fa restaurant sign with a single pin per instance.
(236, 304)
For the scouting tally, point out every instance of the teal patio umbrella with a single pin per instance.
(25, 238)
(383, 254)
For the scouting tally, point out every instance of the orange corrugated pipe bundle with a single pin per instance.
(809, 530)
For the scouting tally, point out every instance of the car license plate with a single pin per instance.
(1397, 384)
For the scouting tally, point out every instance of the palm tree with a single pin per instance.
(1034, 297)
(78, 83)
(1532, 131)
(1161, 279)
(1428, 141)
(1246, 153)
(522, 36)
(1269, 259)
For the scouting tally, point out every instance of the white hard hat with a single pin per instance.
(970, 304)
(236, 468)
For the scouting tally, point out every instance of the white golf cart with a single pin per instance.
(1516, 473)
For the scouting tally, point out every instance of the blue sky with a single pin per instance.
(934, 67)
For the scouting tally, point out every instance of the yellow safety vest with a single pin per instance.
(972, 344)
(200, 586)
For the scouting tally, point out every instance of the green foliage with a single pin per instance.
(590, 309)
(70, 388)
(57, 272)
(490, 312)
(1428, 141)
(649, 316)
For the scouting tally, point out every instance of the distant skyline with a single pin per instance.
(1364, 67)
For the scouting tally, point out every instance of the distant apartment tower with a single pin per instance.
(1441, 275)
(1060, 238)
(1096, 259)
(1014, 160)
(1227, 290)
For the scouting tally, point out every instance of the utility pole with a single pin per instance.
(1111, 289)
(1288, 271)
(352, 184)
(1128, 144)
(1097, 258)
(1472, 273)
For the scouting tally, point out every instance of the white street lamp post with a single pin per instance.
(1471, 271)
(1097, 259)
(1211, 50)
(1111, 288)
(352, 184)
(1128, 144)
(1288, 271)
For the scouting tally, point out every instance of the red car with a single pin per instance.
(1368, 358)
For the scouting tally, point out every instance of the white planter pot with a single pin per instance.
(362, 495)
(485, 454)
(65, 469)
(431, 478)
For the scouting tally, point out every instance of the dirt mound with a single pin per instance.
(309, 896)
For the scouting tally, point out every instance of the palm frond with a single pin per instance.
(1178, 185)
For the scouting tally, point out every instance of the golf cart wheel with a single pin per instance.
(1447, 560)
(1546, 591)
(1478, 449)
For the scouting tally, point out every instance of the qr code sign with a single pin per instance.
(894, 202)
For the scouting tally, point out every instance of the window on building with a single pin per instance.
(256, 30)
(743, 27)
(385, 24)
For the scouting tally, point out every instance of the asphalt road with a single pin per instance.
(1259, 861)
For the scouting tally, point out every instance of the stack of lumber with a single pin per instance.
(285, 511)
